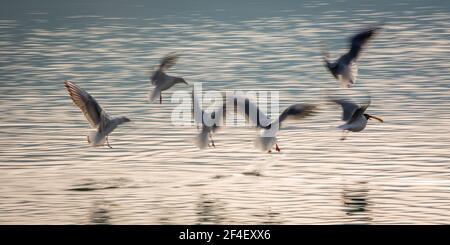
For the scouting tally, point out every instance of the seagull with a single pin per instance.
(97, 117)
(161, 80)
(267, 139)
(207, 129)
(345, 68)
(353, 115)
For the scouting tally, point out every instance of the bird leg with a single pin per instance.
(107, 142)
(160, 98)
(344, 134)
(277, 148)
(212, 141)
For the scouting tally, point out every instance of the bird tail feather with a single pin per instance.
(96, 139)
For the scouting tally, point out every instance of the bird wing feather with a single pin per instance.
(87, 104)
(168, 61)
(296, 111)
(359, 40)
(348, 107)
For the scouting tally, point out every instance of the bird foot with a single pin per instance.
(277, 148)
(269, 151)
(107, 143)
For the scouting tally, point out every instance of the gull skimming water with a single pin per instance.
(354, 116)
(97, 117)
(345, 69)
(267, 139)
(161, 80)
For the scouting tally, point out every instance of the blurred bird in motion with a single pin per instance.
(345, 69)
(161, 80)
(96, 116)
(269, 128)
(208, 127)
(353, 115)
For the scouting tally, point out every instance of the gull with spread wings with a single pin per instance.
(96, 116)
(345, 69)
(161, 80)
(269, 128)
(354, 115)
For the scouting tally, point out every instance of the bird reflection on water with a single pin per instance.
(356, 205)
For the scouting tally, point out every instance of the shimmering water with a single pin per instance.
(397, 172)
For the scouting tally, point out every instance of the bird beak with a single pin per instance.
(376, 118)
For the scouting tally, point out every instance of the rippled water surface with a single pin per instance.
(397, 172)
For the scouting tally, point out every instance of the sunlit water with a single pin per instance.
(397, 172)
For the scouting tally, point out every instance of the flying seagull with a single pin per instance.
(161, 80)
(345, 68)
(269, 128)
(354, 116)
(96, 116)
(207, 127)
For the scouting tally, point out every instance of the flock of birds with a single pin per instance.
(343, 69)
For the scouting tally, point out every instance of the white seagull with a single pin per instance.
(97, 117)
(354, 116)
(267, 139)
(345, 69)
(161, 80)
(207, 127)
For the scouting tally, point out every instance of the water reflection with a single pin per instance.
(100, 213)
(209, 210)
(355, 200)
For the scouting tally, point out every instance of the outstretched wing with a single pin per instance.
(168, 61)
(159, 76)
(359, 40)
(296, 111)
(348, 107)
(360, 110)
(251, 111)
(87, 104)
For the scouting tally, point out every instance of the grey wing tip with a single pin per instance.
(71, 87)
(68, 84)
(169, 59)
